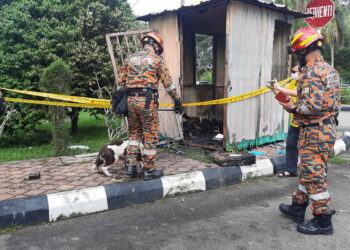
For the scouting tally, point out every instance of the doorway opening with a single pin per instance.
(204, 73)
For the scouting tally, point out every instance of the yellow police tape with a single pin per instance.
(61, 97)
(85, 102)
(65, 104)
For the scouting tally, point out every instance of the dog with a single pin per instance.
(110, 154)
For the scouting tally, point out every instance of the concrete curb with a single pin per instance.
(345, 108)
(58, 206)
(342, 144)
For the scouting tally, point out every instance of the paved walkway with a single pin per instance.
(74, 172)
(68, 173)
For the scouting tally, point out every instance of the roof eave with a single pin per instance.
(271, 6)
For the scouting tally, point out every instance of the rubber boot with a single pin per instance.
(154, 174)
(295, 211)
(320, 224)
(131, 171)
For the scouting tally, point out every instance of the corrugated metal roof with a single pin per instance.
(203, 3)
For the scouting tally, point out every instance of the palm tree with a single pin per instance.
(336, 33)
(331, 35)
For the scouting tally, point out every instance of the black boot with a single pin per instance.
(295, 211)
(320, 224)
(149, 175)
(131, 171)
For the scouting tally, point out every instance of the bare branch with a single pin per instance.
(114, 130)
(6, 119)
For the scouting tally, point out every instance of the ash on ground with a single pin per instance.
(203, 131)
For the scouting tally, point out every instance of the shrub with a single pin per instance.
(57, 79)
(345, 96)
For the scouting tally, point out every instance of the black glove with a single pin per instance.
(2, 106)
(178, 106)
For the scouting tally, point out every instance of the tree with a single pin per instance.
(42, 31)
(336, 33)
(56, 79)
(204, 57)
(342, 58)
(300, 6)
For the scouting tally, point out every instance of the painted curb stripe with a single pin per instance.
(183, 183)
(124, 194)
(339, 146)
(261, 168)
(221, 177)
(346, 139)
(279, 163)
(46, 208)
(24, 211)
(84, 201)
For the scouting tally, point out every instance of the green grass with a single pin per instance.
(10, 229)
(345, 93)
(92, 133)
(338, 160)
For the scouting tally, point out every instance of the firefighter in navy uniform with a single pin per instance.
(316, 111)
(141, 75)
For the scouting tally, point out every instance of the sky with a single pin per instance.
(143, 7)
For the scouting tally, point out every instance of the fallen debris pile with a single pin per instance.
(203, 133)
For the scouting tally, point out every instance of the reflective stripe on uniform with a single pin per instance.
(149, 152)
(305, 109)
(320, 196)
(302, 188)
(134, 143)
(170, 88)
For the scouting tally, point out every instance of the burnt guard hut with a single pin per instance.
(249, 39)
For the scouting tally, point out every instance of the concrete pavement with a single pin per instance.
(240, 217)
(49, 207)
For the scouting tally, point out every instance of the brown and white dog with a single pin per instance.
(110, 154)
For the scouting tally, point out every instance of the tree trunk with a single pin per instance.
(332, 54)
(74, 118)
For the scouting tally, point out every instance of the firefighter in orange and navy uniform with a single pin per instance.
(316, 111)
(141, 75)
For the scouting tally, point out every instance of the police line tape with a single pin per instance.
(77, 99)
(64, 104)
(85, 102)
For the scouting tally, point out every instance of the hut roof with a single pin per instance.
(207, 3)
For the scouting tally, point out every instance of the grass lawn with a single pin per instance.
(92, 133)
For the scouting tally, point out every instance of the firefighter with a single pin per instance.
(316, 111)
(141, 75)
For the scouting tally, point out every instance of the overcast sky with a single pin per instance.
(142, 7)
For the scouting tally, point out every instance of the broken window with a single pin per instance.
(204, 59)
